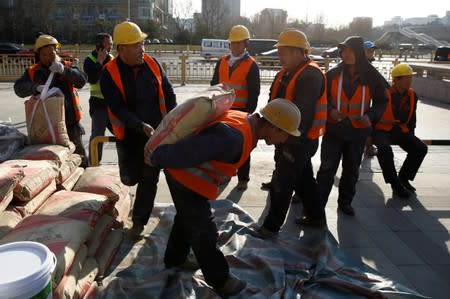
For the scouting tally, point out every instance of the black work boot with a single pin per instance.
(400, 191)
(347, 209)
(407, 184)
(232, 286)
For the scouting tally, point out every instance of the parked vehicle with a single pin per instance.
(271, 58)
(442, 54)
(259, 46)
(331, 53)
(214, 48)
(11, 48)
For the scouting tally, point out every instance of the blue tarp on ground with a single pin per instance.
(309, 266)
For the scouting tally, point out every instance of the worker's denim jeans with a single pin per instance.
(194, 228)
(335, 148)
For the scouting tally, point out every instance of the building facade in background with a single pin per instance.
(79, 21)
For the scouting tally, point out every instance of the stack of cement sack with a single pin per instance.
(77, 213)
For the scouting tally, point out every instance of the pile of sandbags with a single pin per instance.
(82, 228)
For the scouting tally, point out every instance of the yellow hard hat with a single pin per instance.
(128, 33)
(45, 40)
(238, 33)
(293, 38)
(283, 114)
(401, 70)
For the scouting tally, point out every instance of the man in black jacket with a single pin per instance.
(138, 95)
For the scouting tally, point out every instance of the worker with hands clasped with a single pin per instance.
(195, 172)
(67, 78)
(241, 72)
(93, 67)
(138, 95)
(397, 126)
(356, 100)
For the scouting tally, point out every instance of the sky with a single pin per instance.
(340, 12)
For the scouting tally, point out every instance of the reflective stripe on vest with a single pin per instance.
(237, 80)
(353, 108)
(320, 116)
(73, 91)
(113, 69)
(95, 87)
(206, 178)
(387, 120)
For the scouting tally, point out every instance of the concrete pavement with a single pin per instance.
(406, 240)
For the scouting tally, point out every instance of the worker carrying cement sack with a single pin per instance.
(191, 115)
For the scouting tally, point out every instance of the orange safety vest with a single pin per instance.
(206, 178)
(353, 108)
(237, 80)
(320, 116)
(113, 69)
(73, 91)
(387, 120)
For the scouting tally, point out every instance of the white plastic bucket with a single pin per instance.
(26, 270)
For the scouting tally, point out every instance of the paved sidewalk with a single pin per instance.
(406, 240)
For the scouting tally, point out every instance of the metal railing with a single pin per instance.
(192, 68)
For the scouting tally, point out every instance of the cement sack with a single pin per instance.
(55, 153)
(9, 177)
(70, 182)
(122, 209)
(46, 120)
(83, 206)
(11, 140)
(106, 253)
(68, 166)
(29, 207)
(191, 115)
(102, 228)
(86, 285)
(104, 179)
(68, 284)
(38, 175)
(9, 218)
(63, 236)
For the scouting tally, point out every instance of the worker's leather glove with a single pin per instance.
(39, 88)
(57, 67)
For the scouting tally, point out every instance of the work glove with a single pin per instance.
(57, 67)
(39, 88)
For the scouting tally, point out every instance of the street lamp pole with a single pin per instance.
(129, 10)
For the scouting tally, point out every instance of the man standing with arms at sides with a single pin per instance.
(67, 78)
(241, 72)
(356, 100)
(302, 82)
(195, 169)
(138, 95)
(93, 66)
(397, 126)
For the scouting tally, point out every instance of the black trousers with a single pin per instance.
(243, 172)
(99, 122)
(414, 147)
(333, 149)
(293, 171)
(194, 227)
(75, 135)
(133, 170)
